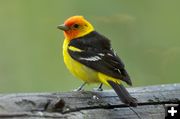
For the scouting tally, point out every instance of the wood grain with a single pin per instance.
(89, 104)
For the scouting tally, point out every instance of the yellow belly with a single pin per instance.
(83, 72)
(77, 69)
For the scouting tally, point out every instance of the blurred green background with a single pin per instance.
(145, 33)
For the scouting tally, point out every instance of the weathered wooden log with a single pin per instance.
(89, 104)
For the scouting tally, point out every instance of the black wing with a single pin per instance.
(96, 53)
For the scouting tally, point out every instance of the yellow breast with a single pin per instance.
(77, 69)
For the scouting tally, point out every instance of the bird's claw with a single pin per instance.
(78, 89)
(97, 89)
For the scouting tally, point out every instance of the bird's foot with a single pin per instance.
(97, 89)
(80, 88)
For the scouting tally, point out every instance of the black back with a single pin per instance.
(97, 54)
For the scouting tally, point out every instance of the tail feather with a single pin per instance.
(123, 94)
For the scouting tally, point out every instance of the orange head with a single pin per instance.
(76, 26)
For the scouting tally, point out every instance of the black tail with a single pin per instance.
(123, 94)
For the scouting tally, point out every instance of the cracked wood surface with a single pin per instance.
(89, 104)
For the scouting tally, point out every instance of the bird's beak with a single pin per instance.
(63, 27)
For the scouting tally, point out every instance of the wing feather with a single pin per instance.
(96, 53)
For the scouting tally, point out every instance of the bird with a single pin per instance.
(89, 56)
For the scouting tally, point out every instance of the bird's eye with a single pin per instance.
(76, 26)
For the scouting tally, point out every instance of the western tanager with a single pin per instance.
(89, 56)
